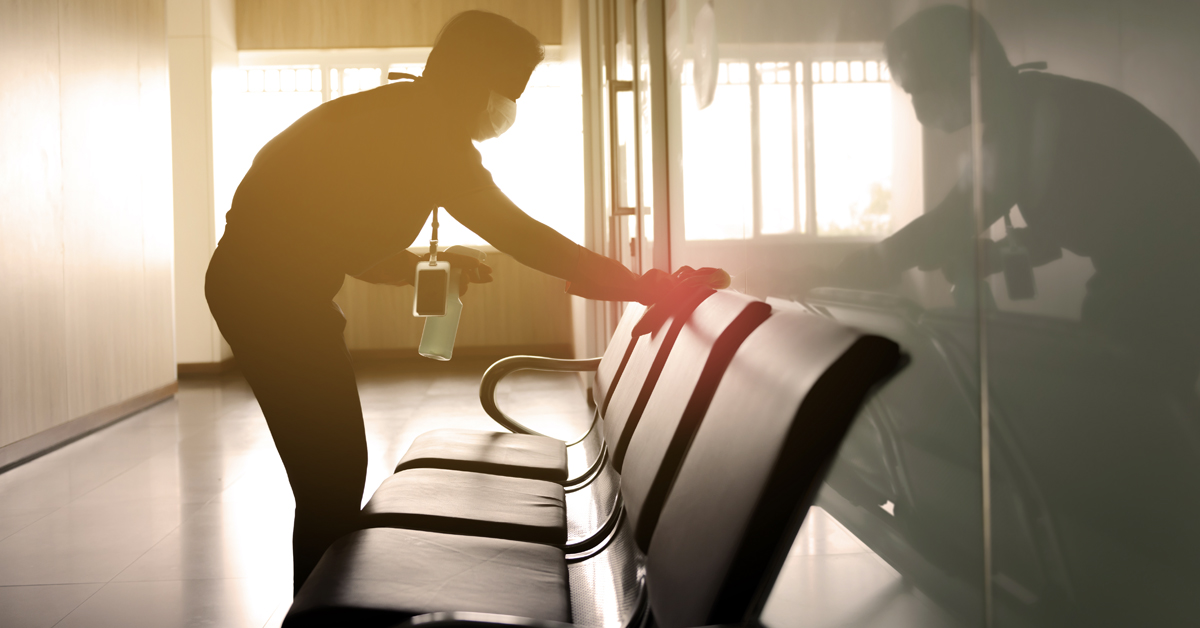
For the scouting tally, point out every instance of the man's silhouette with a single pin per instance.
(1092, 170)
(344, 191)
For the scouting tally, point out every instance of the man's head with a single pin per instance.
(478, 52)
(930, 56)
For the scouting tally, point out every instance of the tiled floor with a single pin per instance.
(832, 580)
(181, 515)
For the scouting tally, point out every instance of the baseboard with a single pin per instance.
(189, 370)
(46, 441)
(493, 352)
(195, 370)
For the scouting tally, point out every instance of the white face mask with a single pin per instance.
(495, 119)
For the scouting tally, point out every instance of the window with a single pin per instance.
(852, 147)
(538, 163)
(788, 146)
(717, 148)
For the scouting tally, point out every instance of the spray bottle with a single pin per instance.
(437, 339)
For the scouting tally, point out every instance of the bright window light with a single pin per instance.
(718, 183)
(538, 163)
(778, 172)
(853, 142)
(759, 110)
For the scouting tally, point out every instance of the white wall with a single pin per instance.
(203, 52)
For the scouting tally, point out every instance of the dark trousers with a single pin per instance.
(286, 334)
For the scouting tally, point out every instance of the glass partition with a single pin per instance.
(1010, 190)
(1091, 130)
(797, 162)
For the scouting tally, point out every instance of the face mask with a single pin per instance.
(495, 119)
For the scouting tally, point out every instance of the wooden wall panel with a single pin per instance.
(288, 24)
(32, 342)
(522, 307)
(86, 320)
(102, 233)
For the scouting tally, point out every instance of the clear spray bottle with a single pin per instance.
(437, 338)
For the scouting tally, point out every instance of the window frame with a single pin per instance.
(804, 56)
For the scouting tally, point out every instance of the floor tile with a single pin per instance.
(235, 539)
(831, 580)
(228, 603)
(41, 606)
(11, 524)
(183, 475)
(821, 534)
(276, 620)
(87, 542)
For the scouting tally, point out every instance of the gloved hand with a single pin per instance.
(684, 288)
(473, 270)
(604, 279)
(715, 278)
(655, 284)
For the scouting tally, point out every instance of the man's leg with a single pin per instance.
(312, 408)
(289, 346)
(297, 364)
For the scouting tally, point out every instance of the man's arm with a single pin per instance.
(495, 218)
(943, 238)
(400, 269)
(396, 270)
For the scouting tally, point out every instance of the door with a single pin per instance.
(633, 49)
(623, 39)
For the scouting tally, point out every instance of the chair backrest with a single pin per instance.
(648, 453)
(751, 469)
(641, 368)
(608, 374)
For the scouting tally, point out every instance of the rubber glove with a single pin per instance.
(687, 288)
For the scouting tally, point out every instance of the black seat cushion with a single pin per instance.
(461, 502)
(382, 576)
(496, 453)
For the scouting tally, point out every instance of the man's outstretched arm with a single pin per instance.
(396, 270)
(495, 218)
(399, 269)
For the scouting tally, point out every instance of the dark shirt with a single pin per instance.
(353, 181)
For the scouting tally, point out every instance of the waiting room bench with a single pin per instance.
(711, 434)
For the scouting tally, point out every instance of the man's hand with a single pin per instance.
(400, 270)
(473, 270)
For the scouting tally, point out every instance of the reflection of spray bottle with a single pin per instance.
(437, 339)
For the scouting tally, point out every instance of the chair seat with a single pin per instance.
(494, 453)
(476, 504)
(382, 576)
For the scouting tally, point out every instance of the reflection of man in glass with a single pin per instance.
(1092, 170)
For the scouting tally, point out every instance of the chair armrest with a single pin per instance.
(501, 369)
(477, 620)
(582, 550)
